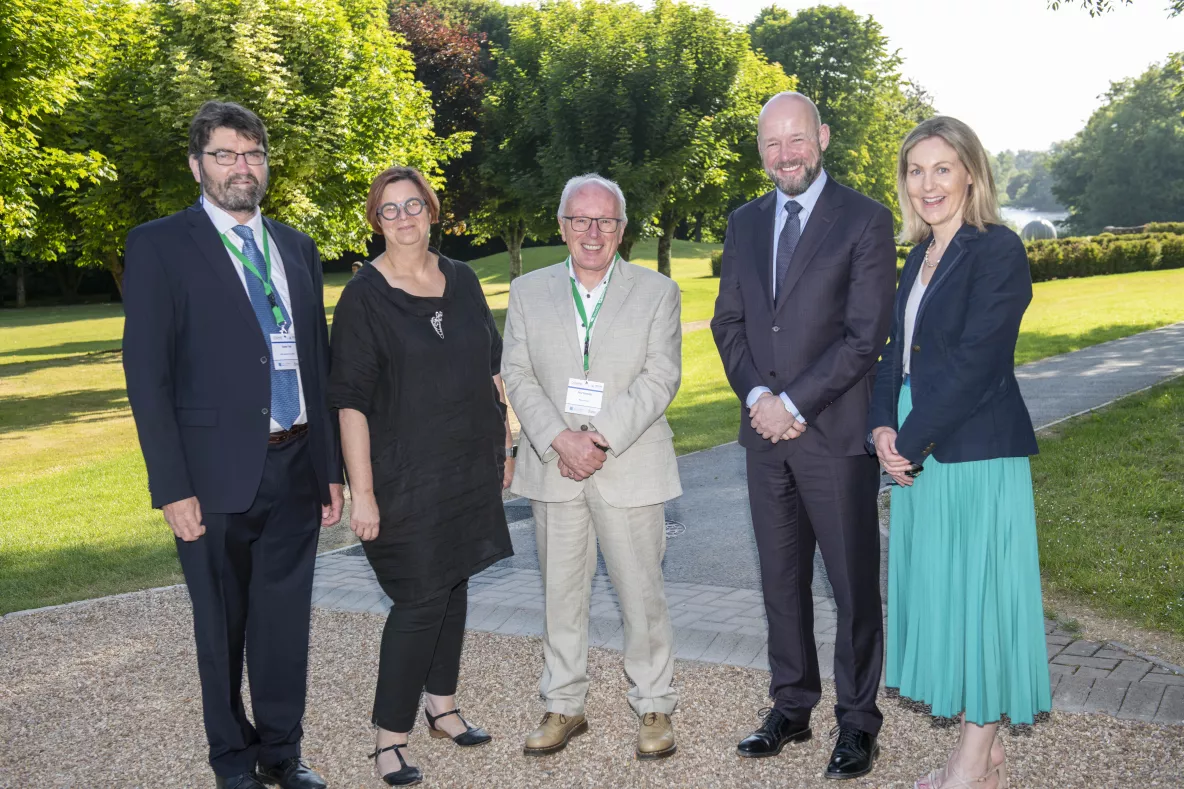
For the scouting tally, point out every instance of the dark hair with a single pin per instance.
(224, 114)
(393, 175)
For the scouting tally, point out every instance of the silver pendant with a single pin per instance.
(438, 323)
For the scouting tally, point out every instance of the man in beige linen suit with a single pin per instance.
(592, 358)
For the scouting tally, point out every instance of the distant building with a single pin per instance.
(1037, 230)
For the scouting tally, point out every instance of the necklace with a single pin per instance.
(929, 264)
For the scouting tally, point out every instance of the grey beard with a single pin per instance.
(241, 196)
(796, 186)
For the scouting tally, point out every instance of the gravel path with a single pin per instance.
(106, 695)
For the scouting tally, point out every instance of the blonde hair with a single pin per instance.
(982, 204)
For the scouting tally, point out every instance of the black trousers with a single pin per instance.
(798, 501)
(421, 646)
(250, 581)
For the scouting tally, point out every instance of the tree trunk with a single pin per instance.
(667, 221)
(69, 278)
(697, 233)
(20, 283)
(514, 237)
(626, 246)
(115, 266)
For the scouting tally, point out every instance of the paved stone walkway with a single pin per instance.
(723, 622)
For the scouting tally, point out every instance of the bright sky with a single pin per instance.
(1021, 75)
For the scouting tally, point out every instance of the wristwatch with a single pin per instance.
(511, 451)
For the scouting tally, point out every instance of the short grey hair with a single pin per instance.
(580, 181)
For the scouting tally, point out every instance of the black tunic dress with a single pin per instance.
(436, 426)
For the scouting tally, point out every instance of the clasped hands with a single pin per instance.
(773, 421)
(581, 453)
(892, 462)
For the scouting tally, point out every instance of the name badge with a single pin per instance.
(283, 351)
(584, 397)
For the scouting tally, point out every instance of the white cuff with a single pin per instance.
(791, 408)
(755, 394)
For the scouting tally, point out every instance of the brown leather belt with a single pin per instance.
(287, 435)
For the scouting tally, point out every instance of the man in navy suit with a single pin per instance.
(226, 354)
(804, 307)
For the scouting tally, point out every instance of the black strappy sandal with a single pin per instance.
(471, 736)
(405, 775)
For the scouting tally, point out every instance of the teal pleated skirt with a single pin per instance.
(965, 616)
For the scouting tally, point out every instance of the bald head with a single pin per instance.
(789, 102)
(791, 138)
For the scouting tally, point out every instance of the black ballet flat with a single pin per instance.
(405, 775)
(469, 737)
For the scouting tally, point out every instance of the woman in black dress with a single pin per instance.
(415, 383)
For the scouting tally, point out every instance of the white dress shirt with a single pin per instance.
(807, 200)
(589, 299)
(223, 222)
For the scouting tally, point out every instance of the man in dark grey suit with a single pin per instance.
(803, 312)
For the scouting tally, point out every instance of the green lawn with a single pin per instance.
(77, 523)
(1110, 507)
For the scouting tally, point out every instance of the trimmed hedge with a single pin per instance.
(1175, 228)
(1085, 256)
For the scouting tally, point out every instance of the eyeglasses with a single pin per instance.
(412, 207)
(581, 224)
(228, 158)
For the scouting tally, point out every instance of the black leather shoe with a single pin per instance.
(292, 773)
(241, 781)
(773, 734)
(471, 736)
(854, 753)
(406, 775)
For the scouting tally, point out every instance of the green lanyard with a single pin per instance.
(587, 322)
(266, 280)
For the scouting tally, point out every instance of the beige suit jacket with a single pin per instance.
(635, 351)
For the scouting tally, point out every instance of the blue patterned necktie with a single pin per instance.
(787, 242)
(285, 387)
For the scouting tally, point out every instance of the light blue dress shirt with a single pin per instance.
(807, 200)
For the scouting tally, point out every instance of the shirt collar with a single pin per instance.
(600, 285)
(223, 222)
(806, 199)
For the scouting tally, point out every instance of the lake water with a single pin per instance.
(1018, 217)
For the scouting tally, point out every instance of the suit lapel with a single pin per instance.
(618, 290)
(565, 311)
(205, 237)
(763, 244)
(957, 254)
(822, 219)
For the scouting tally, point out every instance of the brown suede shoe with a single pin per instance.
(553, 733)
(655, 737)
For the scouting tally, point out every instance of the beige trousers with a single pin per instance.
(633, 541)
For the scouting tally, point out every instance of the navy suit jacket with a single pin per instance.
(820, 340)
(966, 400)
(199, 370)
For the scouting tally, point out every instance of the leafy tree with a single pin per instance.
(448, 62)
(1126, 167)
(1098, 7)
(642, 97)
(327, 76)
(47, 50)
(843, 63)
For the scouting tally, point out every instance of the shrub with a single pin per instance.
(1171, 252)
(1175, 228)
(717, 262)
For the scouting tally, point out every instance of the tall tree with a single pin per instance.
(842, 62)
(48, 49)
(327, 76)
(1126, 167)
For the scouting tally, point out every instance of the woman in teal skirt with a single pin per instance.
(965, 619)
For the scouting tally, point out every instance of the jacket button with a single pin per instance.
(262, 360)
(583, 427)
(916, 348)
(776, 328)
(772, 373)
(264, 412)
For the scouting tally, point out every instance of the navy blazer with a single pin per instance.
(818, 342)
(198, 368)
(966, 400)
